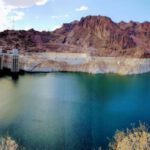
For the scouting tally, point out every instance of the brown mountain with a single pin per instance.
(96, 35)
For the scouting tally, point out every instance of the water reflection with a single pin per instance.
(14, 76)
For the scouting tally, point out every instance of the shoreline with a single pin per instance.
(82, 62)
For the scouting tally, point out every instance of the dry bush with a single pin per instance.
(8, 143)
(131, 139)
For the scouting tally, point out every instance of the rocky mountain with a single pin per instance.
(96, 35)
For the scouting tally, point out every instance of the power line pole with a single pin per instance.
(13, 23)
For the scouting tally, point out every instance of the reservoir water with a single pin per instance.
(71, 111)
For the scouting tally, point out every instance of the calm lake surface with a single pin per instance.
(71, 111)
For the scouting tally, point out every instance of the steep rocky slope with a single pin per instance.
(95, 35)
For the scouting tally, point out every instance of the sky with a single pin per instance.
(51, 14)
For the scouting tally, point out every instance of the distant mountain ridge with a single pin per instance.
(96, 35)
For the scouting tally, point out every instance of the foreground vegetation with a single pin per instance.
(7, 143)
(131, 139)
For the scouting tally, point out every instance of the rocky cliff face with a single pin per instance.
(95, 35)
(30, 40)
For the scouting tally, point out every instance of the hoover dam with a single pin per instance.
(10, 60)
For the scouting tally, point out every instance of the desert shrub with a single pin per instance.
(7, 143)
(131, 139)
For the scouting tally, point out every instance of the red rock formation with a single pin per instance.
(96, 35)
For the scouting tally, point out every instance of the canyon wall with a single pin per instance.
(95, 35)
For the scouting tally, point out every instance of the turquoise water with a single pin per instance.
(71, 111)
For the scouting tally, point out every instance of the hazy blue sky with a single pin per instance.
(49, 14)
